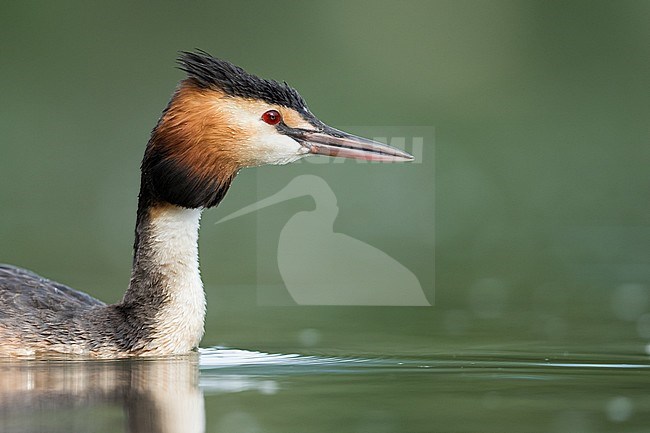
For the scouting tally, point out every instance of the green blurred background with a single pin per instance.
(541, 181)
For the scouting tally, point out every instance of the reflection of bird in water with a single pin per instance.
(160, 395)
(321, 267)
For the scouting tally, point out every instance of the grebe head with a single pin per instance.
(222, 119)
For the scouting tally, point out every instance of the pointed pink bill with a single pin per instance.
(332, 142)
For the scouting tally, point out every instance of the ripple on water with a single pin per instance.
(223, 359)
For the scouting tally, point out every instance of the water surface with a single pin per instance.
(224, 389)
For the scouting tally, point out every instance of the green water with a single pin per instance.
(246, 391)
(525, 219)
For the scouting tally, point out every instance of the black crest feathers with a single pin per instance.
(209, 72)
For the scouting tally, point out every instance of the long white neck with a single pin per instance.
(165, 296)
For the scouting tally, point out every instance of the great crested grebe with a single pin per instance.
(220, 119)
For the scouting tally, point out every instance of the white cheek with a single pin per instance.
(265, 144)
(275, 148)
(268, 146)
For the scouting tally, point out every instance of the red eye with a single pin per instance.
(272, 117)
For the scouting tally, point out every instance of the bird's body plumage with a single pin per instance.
(34, 309)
